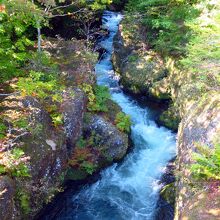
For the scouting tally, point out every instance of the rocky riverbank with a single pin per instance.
(51, 153)
(197, 119)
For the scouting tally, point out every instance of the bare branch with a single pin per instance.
(19, 136)
(67, 14)
(63, 6)
(7, 94)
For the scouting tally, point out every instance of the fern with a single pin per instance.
(123, 122)
(207, 164)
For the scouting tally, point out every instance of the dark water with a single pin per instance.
(129, 190)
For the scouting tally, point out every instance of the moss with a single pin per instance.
(76, 174)
(168, 193)
(21, 123)
(23, 199)
(3, 129)
(160, 91)
(170, 119)
(113, 110)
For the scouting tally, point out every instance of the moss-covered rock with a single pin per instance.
(46, 147)
(203, 205)
(168, 193)
(75, 62)
(42, 144)
(170, 119)
(73, 108)
(112, 143)
(113, 110)
(139, 70)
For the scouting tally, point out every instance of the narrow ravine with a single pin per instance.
(129, 190)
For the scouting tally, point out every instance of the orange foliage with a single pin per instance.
(81, 155)
(2, 8)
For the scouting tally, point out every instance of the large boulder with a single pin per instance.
(114, 143)
(75, 62)
(139, 69)
(73, 110)
(46, 145)
(33, 132)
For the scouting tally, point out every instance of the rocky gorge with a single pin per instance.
(145, 72)
(51, 152)
(89, 144)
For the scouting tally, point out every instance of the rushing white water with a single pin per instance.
(126, 191)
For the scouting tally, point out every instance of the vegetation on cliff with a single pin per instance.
(170, 52)
(47, 85)
(179, 39)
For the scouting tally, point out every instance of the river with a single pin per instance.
(128, 190)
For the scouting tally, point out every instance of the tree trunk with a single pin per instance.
(38, 39)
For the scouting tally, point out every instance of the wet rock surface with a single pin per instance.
(114, 143)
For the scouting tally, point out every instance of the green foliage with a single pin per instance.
(21, 123)
(96, 4)
(203, 52)
(207, 164)
(101, 96)
(15, 37)
(133, 58)
(123, 122)
(41, 85)
(165, 21)
(24, 201)
(14, 163)
(81, 143)
(3, 129)
(97, 97)
(83, 159)
(88, 167)
(57, 119)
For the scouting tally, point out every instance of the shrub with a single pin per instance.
(207, 164)
(97, 97)
(57, 119)
(40, 85)
(123, 122)
(3, 130)
(14, 163)
(83, 159)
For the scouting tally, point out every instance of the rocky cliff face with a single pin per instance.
(139, 69)
(201, 124)
(53, 153)
(196, 116)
